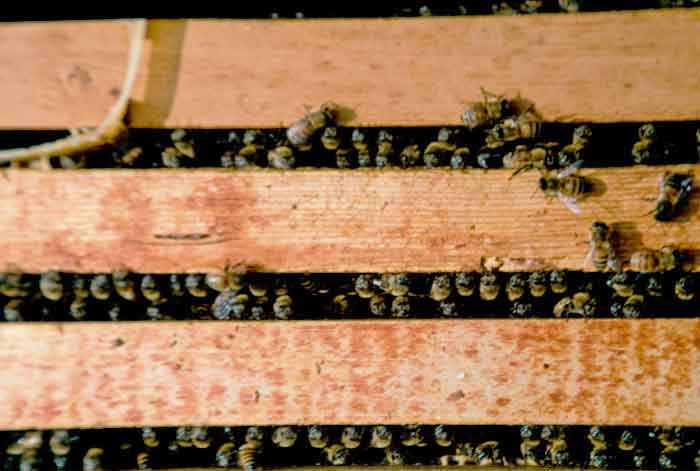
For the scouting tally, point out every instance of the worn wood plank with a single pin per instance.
(406, 72)
(164, 221)
(354, 372)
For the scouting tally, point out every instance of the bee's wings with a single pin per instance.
(686, 186)
(570, 203)
(571, 169)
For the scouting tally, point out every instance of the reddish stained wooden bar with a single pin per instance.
(334, 372)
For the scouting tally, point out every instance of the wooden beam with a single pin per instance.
(163, 221)
(126, 374)
(403, 72)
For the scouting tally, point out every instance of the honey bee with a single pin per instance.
(340, 305)
(312, 285)
(196, 285)
(438, 152)
(359, 140)
(365, 286)
(78, 309)
(80, 287)
(529, 448)
(622, 283)
(580, 304)
(597, 437)
(343, 157)
(230, 305)
(645, 150)
(598, 458)
(633, 307)
(627, 441)
(259, 310)
(30, 461)
(485, 112)
(444, 436)
(149, 436)
(336, 455)
(143, 460)
(578, 148)
(284, 437)
(655, 285)
(393, 456)
(124, 156)
(378, 306)
(101, 287)
(283, 307)
(301, 132)
(521, 310)
(465, 283)
(654, 261)
(158, 312)
(151, 289)
(92, 461)
(51, 285)
(258, 286)
(281, 157)
(248, 452)
(460, 158)
(216, 281)
(177, 287)
(409, 155)
(401, 307)
(601, 251)
(200, 437)
(226, 455)
(381, 437)
(674, 189)
(385, 148)
(318, 436)
(172, 158)
(351, 436)
(248, 156)
(463, 455)
(395, 284)
(557, 281)
(557, 452)
(60, 442)
(525, 126)
(364, 159)
(448, 309)
(441, 287)
(488, 454)
(124, 285)
(515, 288)
(685, 288)
(414, 435)
(567, 185)
(330, 139)
(14, 310)
(489, 286)
(15, 285)
(571, 6)
(537, 282)
(183, 142)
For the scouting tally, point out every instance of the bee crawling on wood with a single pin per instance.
(567, 185)
(302, 131)
(601, 252)
(482, 113)
(524, 158)
(654, 261)
(674, 189)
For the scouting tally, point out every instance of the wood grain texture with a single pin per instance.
(615, 66)
(356, 372)
(164, 221)
(412, 467)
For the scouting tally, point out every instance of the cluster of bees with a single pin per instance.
(251, 448)
(652, 282)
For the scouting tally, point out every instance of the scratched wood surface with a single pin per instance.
(411, 71)
(163, 221)
(352, 372)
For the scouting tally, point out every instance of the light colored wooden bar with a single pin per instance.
(163, 221)
(356, 372)
(404, 72)
(411, 467)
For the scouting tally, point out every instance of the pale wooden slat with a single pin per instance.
(614, 66)
(164, 221)
(357, 372)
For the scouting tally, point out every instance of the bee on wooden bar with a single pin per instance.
(488, 454)
(60, 442)
(401, 307)
(15, 285)
(640, 459)
(201, 438)
(281, 157)
(101, 287)
(176, 285)
(247, 157)
(571, 6)
(444, 436)
(645, 150)
(230, 305)
(521, 310)
(183, 142)
(622, 283)
(489, 286)
(248, 452)
(158, 312)
(51, 285)
(395, 284)
(343, 157)
(143, 460)
(525, 126)
(633, 307)
(259, 310)
(409, 156)
(485, 112)
(567, 185)
(92, 461)
(78, 309)
(151, 289)
(652, 261)
(359, 140)
(385, 149)
(365, 286)
(579, 147)
(283, 307)
(529, 448)
(381, 437)
(172, 158)
(313, 285)
(601, 251)
(378, 306)
(216, 281)
(414, 435)
(364, 159)
(537, 283)
(674, 189)
(541, 157)
(684, 288)
(340, 305)
(393, 457)
(128, 156)
(196, 285)
(448, 309)
(301, 132)
(318, 436)
(460, 158)
(441, 287)
(515, 288)
(558, 281)
(226, 455)
(438, 152)
(80, 287)
(258, 285)
(124, 285)
(465, 284)
(15, 310)
(330, 139)
(351, 436)
(336, 455)
(654, 285)
(627, 441)
(463, 455)
(598, 437)
(149, 436)
(557, 452)
(284, 437)
(580, 304)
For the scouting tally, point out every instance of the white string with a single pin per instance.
(107, 131)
